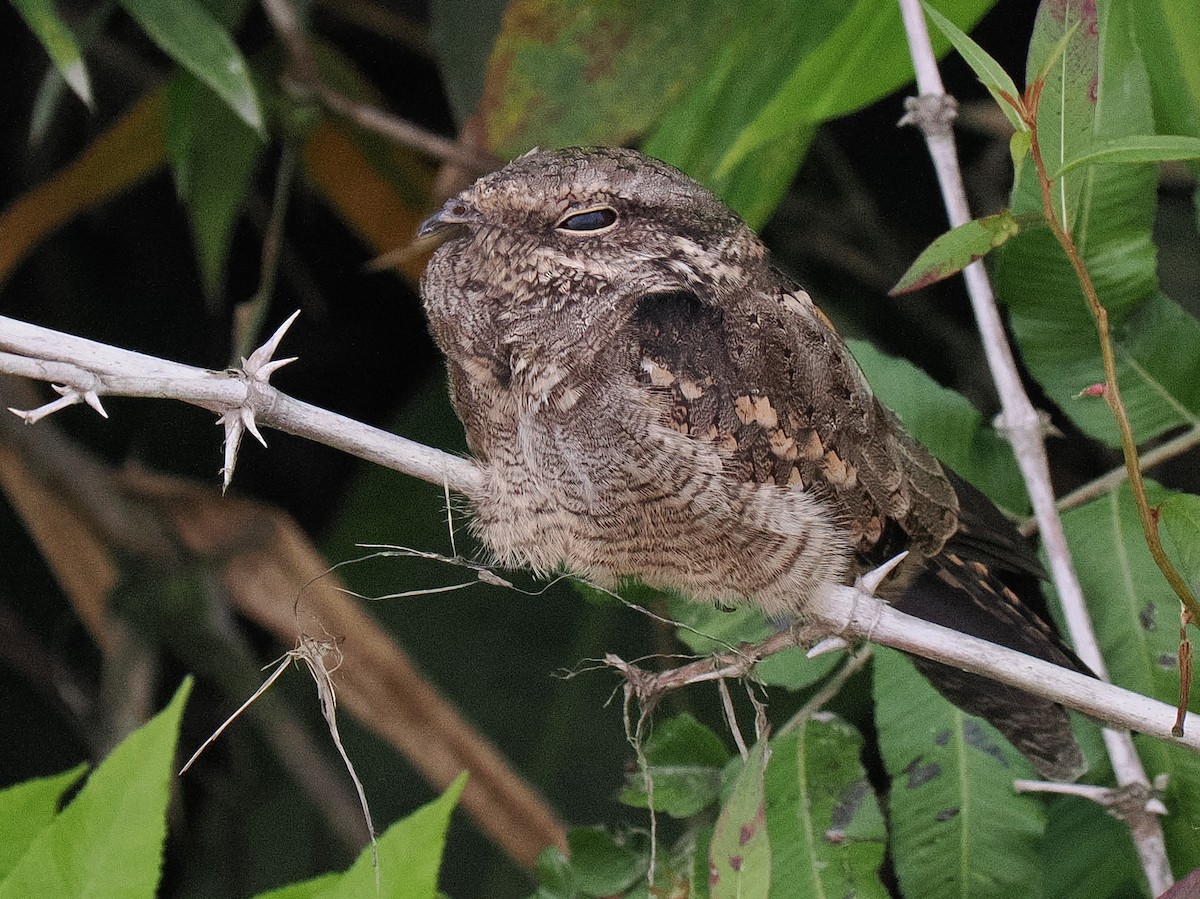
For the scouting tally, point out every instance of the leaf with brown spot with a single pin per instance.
(955, 825)
(739, 856)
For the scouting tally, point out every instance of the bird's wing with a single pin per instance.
(771, 383)
(773, 386)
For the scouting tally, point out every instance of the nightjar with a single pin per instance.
(648, 398)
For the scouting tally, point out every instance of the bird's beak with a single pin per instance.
(434, 231)
(455, 212)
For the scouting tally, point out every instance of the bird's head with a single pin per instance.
(543, 262)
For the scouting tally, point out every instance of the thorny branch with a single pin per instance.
(84, 366)
(1022, 426)
(849, 612)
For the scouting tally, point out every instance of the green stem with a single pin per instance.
(1112, 392)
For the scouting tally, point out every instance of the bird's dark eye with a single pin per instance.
(588, 220)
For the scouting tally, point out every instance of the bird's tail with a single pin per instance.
(970, 597)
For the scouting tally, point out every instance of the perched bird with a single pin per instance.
(648, 398)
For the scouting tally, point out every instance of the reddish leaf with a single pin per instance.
(956, 249)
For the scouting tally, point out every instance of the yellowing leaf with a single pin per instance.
(130, 150)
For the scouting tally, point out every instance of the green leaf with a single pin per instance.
(739, 856)
(760, 50)
(410, 853)
(1134, 612)
(571, 72)
(1099, 93)
(1136, 148)
(1019, 146)
(953, 251)
(1168, 32)
(827, 833)
(986, 69)
(602, 865)
(1052, 56)
(108, 841)
(554, 875)
(213, 154)
(864, 58)
(60, 44)
(685, 761)
(1136, 617)
(26, 809)
(958, 828)
(187, 33)
(947, 423)
(1181, 521)
(1103, 866)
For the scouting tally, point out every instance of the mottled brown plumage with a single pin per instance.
(649, 398)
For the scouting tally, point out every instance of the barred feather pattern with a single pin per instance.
(650, 399)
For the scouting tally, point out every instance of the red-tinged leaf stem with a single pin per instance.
(1108, 356)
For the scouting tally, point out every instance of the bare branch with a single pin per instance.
(1022, 426)
(87, 365)
(848, 612)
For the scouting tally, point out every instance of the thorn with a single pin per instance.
(870, 581)
(264, 372)
(262, 356)
(92, 398)
(234, 429)
(238, 420)
(247, 415)
(67, 396)
(828, 645)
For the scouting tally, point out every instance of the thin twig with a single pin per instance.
(855, 660)
(1022, 426)
(1109, 798)
(731, 718)
(1106, 483)
(306, 78)
(312, 652)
